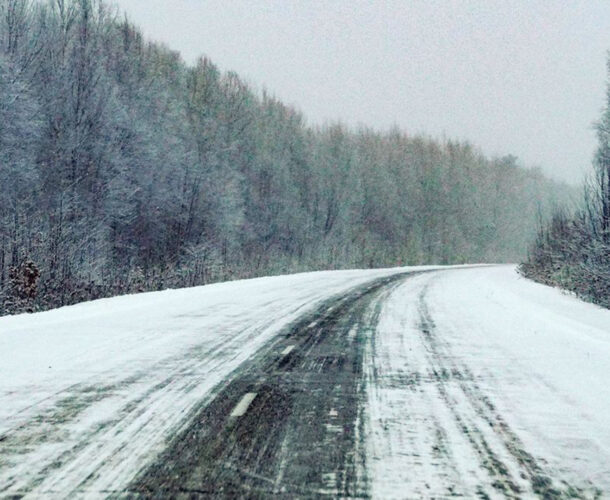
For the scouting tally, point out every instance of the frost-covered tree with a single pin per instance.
(573, 250)
(124, 169)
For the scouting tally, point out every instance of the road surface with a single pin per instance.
(407, 383)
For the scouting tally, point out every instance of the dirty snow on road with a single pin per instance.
(482, 383)
(91, 393)
(468, 382)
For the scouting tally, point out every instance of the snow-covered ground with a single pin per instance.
(90, 393)
(477, 381)
(479, 376)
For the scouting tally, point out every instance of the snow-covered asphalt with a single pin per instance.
(482, 384)
(403, 383)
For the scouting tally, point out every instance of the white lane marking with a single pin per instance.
(242, 407)
(334, 428)
(288, 350)
(352, 333)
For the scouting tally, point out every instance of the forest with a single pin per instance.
(572, 250)
(124, 169)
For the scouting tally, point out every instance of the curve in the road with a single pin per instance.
(289, 423)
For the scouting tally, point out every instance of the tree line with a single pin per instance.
(572, 250)
(123, 169)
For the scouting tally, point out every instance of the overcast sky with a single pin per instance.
(521, 77)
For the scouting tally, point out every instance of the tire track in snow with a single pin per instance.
(408, 454)
(443, 372)
(431, 429)
(526, 466)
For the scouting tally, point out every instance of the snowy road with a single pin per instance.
(482, 384)
(403, 383)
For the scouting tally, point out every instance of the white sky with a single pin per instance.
(525, 77)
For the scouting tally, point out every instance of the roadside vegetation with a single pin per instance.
(572, 250)
(123, 169)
